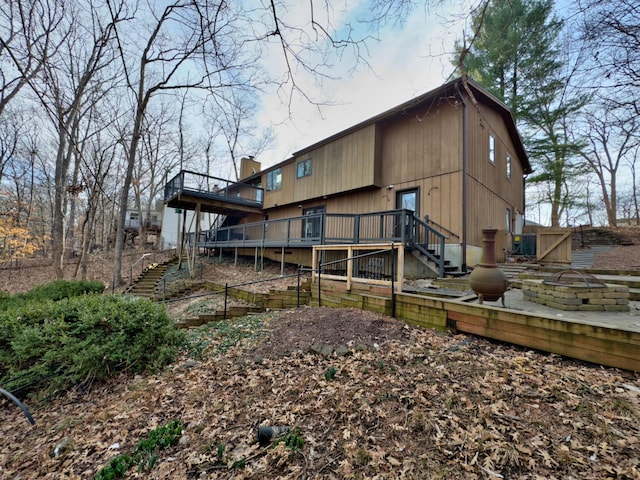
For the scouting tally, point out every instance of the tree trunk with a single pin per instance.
(57, 228)
(124, 194)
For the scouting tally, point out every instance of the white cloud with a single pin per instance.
(406, 61)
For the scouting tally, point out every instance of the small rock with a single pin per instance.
(321, 349)
(361, 347)
(326, 350)
(61, 448)
(184, 440)
(342, 351)
(188, 364)
(631, 388)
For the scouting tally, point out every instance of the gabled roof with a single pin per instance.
(452, 88)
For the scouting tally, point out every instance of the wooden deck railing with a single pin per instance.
(316, 229)
(398, 226)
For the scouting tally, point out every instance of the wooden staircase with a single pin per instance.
(449, 270)
(149, 283)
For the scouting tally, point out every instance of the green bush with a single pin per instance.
(48, 346)
(55, 291)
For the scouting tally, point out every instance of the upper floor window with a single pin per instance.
(508, 165)
(492, 149)
(274, 179)
(303, 168)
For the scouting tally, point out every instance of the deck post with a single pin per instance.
(356, 229)
(349, 267)
(264, 238)
(235, 258)
(393, 280)
(255, 261)
(323, 228)
(282, 263)
(182, 238)
(314, 256)
(195, 242)
(320, 257)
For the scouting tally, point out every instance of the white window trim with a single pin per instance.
(492, 149)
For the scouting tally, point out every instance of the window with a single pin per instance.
(508, 218)
(304, 168)
(492, 149)
(274, 180)
(408, 199)
(508, 166)
(311, 227)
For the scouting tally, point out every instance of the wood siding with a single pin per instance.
(489, 191)
(420, 146)
(346, 164)
(423, 148)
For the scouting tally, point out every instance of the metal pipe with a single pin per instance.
(464, 177)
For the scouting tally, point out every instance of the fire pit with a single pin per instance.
(573, 290)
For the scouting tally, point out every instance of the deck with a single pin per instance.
(204, 193)
(393, 226)
(188, 190)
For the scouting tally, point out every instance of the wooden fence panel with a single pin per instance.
(553, 245)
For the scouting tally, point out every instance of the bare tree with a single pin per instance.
(10, 129)
(160, 153)
(632, 163)
(611, 29)
(205, 51)
(97, 162)
(231, 123)
(27, 42)
(612, 137)
(68, 87)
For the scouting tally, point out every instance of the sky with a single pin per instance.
(405, 62)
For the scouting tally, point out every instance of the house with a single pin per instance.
(430, 173)
(144, 222)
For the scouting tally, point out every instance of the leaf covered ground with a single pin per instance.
(396, 402)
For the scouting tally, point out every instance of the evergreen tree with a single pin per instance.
(515, 53)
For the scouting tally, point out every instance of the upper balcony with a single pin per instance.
(214, 195)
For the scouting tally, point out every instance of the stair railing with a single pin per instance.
(430, 242)
(430, 222)
(141, 259)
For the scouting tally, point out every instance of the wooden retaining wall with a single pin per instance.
(602, 344)
(275, 299)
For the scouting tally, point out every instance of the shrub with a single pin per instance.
(47, 346)
(56, 290)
